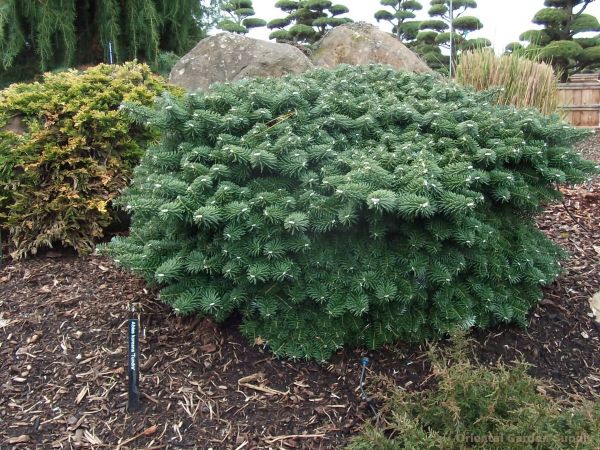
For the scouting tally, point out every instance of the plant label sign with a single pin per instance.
(134, 366)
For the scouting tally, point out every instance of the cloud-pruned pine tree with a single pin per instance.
(240, 17)
(401, 17)
(306, 21)
(356, 206)
(560, 41)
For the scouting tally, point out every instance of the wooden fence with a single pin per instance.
(580, 100)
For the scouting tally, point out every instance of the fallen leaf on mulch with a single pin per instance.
(150, 430)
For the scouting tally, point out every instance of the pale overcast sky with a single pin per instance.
(503, 20)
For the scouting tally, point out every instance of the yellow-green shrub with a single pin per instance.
(480, 407)
(525, 83)
(73, 152)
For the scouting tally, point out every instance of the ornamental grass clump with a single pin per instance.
(524, 82)
(356, 206)
(66, 151)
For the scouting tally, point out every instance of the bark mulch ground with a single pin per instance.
(63, 355)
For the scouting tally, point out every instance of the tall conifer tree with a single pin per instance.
(435, 32)
(306, 20)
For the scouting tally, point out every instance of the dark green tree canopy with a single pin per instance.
(38, 35)
(466, 24)
(401, 15)
(239, 17)
(558, 42)
(434, 24)
(306, 20)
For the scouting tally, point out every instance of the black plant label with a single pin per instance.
(134, 366)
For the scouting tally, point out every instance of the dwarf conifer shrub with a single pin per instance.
(66, 151)
(355, 206)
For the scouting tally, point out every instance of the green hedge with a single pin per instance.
(70, 153)
(355, 206)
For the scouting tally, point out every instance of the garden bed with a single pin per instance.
(63, 355)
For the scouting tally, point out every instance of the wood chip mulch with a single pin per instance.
(63, 356)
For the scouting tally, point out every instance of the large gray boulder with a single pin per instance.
(230, 57)
(363, 43)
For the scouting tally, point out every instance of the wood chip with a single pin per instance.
(253, 377)
(81, 394)
(148, 363)
(266, 390)
(271, 440)
(18, 439)
(595, 306)
(208, 348)
(91, 438)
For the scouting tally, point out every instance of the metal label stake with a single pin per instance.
(134, 366)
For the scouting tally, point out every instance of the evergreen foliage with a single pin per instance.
(74, 152)
(560, 42)
(306, 21)
(401, 17)
(36, 36)
(164, 63)
(240, 19)
(356, 206)
(483, 408)
(435, 33)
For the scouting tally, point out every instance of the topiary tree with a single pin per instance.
(66, 151)
(557, 41)
(435, 33)
(354, 206)
(36, 36)
(306, 21)
(240, 19)
(401, 18)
